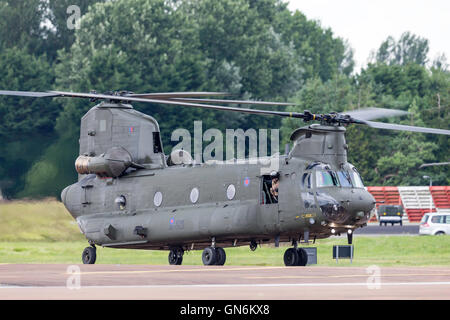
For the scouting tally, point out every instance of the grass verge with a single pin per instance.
(381, 251)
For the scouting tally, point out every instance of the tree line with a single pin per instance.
(256, 49)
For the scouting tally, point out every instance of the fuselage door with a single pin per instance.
(289, 199)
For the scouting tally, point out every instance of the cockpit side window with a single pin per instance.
(356, 179)
(345, 179)
(306, 181)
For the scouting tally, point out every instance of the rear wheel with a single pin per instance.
(440, 233)
(291, 257)
(176, 256)
(209, 256)
(221, 256)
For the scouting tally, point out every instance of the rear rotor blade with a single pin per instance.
(178, 103)
(400, 127)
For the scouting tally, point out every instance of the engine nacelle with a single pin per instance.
(113, 163)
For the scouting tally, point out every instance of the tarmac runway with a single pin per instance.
(55, 281)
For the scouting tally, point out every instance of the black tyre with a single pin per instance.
(302, 257)
(176, 257)
(440, 233)
(89, 255)
(291, 257)
(221, 256)
(209, 256)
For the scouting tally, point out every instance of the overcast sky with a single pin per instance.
(367, 23)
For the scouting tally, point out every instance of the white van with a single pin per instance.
(435, 224)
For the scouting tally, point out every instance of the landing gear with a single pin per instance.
(214, 256)
(295, 257)
(349, 236)
(253, 245)
(89, 255)
(176, 256)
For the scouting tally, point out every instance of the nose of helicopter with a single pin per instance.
(361, 205)
(345, 206)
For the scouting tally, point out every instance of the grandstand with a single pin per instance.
(415, 200)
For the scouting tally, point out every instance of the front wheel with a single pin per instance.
(89, 255)
(303, 257)
(291, 257)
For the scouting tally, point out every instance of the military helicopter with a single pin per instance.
(131, 195)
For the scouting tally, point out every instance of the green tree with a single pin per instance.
(409, 48)
(26, 125)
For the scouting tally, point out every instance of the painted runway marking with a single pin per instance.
(181, 286)
(349, 276)
(165, 271)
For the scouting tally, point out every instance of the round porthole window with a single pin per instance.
(231, 192)
(157, 199)
(194, 195)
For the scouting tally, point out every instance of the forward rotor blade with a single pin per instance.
(167, 95)
(375, 113)
(261, 103)
(27, 94)
(400, 127)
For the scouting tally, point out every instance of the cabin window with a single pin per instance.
(231, 192)
(195, 193)
(157, 199)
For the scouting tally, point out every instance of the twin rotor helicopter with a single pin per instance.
(131, 195)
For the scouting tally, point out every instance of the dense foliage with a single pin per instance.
(256, 49)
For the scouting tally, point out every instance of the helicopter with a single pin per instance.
(130, 195)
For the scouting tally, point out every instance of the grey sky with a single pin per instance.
(366, 23)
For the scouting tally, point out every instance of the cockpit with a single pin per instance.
(324, 176)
